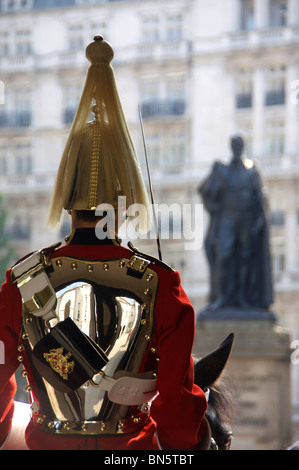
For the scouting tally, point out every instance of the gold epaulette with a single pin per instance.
(149, 258)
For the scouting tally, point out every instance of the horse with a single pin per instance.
(221, 404)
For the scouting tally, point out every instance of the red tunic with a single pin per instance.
(177, 413)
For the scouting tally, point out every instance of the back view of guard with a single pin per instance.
(104, 332)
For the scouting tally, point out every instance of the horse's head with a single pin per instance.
(221, 407)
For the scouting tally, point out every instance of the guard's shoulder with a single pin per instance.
(44, 251)
(151, 259)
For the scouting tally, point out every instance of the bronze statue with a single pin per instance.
(237, 242)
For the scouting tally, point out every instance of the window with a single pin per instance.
(277, 198)
(23, 43)
(23, 107)
(161, 28)
(72, 95)
(12, 5)
(175, 90)
(23, 159)
(246, 15)
(151, 30)
(275, 85)
(4, 44)
(75, 38)
(278, 259)
(275, 140)
(153, 142)
(174, 28)
(167, 149)
(162, 98)
(16, 111)
(278, 12)
(19, 228)
(175, 151)
(78, 311)
(3, 160)
(244, 89)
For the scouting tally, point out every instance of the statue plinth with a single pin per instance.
(236, 314)
(258, 372)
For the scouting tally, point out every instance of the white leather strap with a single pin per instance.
(37, 293)
(128, 390)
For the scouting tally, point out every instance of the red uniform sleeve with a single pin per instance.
(180, 406)
(9, 335)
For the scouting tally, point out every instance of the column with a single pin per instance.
(293, 10)
(290, 228)
(258, 146)
(292, 106)
(261, 8)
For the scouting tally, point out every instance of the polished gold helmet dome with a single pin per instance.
(99, 162)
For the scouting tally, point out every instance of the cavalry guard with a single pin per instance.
(104, 332)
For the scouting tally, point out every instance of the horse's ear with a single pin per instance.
(209, 368)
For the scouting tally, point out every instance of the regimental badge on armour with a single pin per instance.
(59, 363)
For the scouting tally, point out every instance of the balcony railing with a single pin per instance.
(15, 119)
(277, 218)
(274, 98)
(27, 183)
(244, 101)
(163, 108)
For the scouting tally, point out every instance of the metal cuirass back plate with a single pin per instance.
(112, 302)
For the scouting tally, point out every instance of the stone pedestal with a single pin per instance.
(259, 372)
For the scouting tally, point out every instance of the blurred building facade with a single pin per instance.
(200, 71)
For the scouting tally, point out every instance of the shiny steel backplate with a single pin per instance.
(112, 302)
